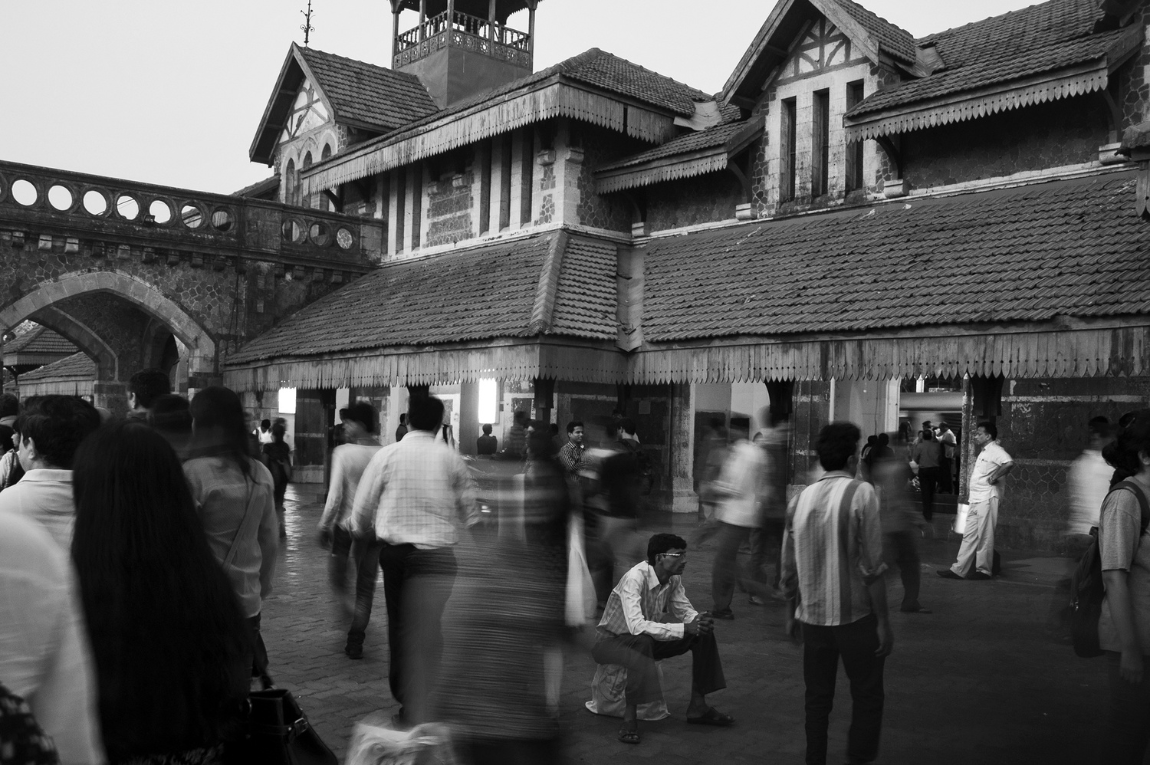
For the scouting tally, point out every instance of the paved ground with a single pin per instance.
(980, 680)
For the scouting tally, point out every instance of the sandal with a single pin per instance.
(712, 717)
(629, 736)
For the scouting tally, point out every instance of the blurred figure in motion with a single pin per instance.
(48, 433)
(487, 444)
(45, 656)
(413, 496)
(277, 458)
(233, 496)
(171, 649)
(264, 432)
(891, 476)
(348, 462)
(616, 494)
(506, 632)
(1088, 482)
(738, 488)
(767, 540)
(712, 455)
(171, 417)
(11, 471)
(9, 411)
(649, 618)
(928, 454)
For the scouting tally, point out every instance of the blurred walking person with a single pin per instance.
(949, 443)
(171, 648)
(233, 496)
(1088, 482)
(277, 458)
(739, 488)
(928, 454)
(833, 578)
(891, 476)
(767, 540)
(171, 417)
(413, 496)
(348, 462)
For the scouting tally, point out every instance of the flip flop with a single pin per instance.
(629, 736)
(712, 717)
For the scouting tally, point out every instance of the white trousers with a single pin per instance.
(977, 550)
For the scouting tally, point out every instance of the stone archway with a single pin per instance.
(94, 346)
(203, 358)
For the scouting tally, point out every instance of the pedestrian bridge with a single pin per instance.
(138, 275)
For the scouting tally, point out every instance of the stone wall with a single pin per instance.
(691, 201)
(1054, 134)
(449, 210)
(601, 146)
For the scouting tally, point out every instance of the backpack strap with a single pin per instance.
(251, 518)
(1143, 503)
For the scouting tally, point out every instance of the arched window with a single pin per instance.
(306, 161)
(305, 201)
(326, 152)
(290, 182)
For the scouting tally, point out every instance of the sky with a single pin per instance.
(172, 93)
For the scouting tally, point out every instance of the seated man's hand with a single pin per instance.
(691, 627)
(702, 624)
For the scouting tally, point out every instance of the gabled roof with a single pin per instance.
(1072, 248)
(358, 94)
(77, 366)
(874, 35)
(547, 284)
(1037, 54)
(660, 99)
(38, 341)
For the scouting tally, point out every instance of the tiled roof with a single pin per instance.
(1019, 44)
(893, 39)
(684, 144)
(39, 340)
(369, 93)
(1071, 248)
(77, 365)
(474, 294)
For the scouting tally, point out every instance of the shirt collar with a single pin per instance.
(836, 474)
(417, 434)
(652, 577)
(47, 475)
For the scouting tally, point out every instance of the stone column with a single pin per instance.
(682, 449)
(468, 417)
(966, 448)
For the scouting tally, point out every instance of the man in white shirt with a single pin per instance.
(1087, 484)
(413, 497)
(647, 619)
(976, 554)
(738, 488)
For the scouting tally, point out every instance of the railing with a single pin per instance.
(98, 212)
(467, 31)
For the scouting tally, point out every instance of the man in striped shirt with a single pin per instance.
(832, 576)
(648, 618)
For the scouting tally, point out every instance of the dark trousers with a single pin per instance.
(509, 751)
(258, 649)
(856, 644)
(946, 475)
(416, 586)
(638, 654)
(726, 572)
(902, 550)
(1128, 723)
(927, 482)
(364, 556)
(767, 549)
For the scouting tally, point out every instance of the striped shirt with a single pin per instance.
(639, 606)
(832, 550)
(415, 491)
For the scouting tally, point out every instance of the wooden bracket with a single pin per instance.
(1113, 114)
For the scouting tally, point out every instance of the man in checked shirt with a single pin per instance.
(648, 618)
(413, 497)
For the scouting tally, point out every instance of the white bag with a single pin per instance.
(581, 601)
(960, 519)
(375, 742)
(607, 694)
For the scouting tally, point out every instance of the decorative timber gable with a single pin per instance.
(821, 47)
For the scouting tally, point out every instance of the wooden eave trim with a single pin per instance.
(969, 104)
(277, 92)
(689, 165)
(757, 48)
(756, 128)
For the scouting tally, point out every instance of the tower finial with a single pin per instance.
(306, 26)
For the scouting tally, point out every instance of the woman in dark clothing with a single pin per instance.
(169, 642)
(277, 456)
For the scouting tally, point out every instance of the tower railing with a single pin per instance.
(466, 31)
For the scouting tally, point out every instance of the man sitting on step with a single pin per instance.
(648, 618)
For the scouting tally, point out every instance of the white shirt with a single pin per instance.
(639, 605)
(348, 462)
(44, 652)
(44, 496)
(989, 459)
(739, 483)
(1088, 483)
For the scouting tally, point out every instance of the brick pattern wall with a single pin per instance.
(1134, 81)
(692, 201)
(449, 210)
(601, 146)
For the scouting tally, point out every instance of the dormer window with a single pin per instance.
(820, 142)
(788, 164)
(308, 113)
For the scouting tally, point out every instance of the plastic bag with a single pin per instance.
(375, 742)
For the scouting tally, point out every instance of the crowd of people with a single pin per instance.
(136, 554)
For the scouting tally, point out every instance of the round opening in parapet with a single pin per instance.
(191, 216)
(61, 198)
(160, 211)
(293, 232)
(24, 192)
(222, 220)
(319, 234)
(127, 207)
(95, 202)
(344, 239)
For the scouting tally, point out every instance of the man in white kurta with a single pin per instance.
(976, 554)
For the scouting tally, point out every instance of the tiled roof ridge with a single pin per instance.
(458, 250)
(875, 17)
(714, 136)
(400, 75)
(703, 96)
(67, 366)
(934, 36)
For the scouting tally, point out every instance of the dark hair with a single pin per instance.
(661, 543)
(57, 425)
(871, 440)
(837, 443)
(167, 634)
(1099, 426)
(486, 430)
(361, 412)
(1133, 438)
(403, 418)
(220, 430)
(574, 424)
(628, 426)
(883, 440)
(425, 413)
(927, 434)
(989, 427)
(539, 443)
(147, 384)
(9, 405)
(553, 428)
(278, 431)
(169, 413)
(265, 424)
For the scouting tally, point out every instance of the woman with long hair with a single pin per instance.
(234, 498)
(277, 457)
(170, 645)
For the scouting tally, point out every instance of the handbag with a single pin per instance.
(277, 732)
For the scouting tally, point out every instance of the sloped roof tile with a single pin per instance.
(891, 38)
(684, 144)
(368, 93)
(40, 339)
(1068, 248)
(78, 365)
